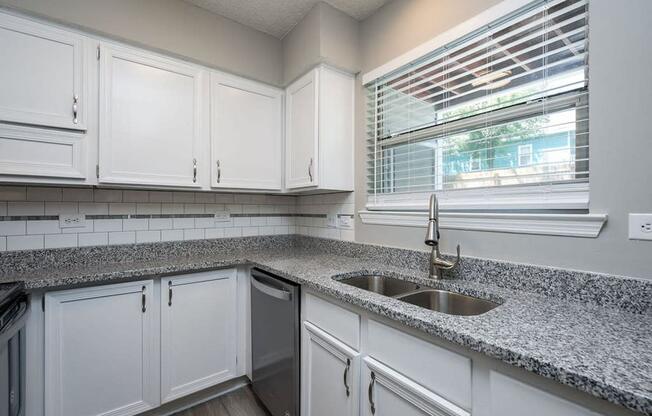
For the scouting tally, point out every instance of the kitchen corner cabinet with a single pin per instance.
(42, 76)
(101, 350)
(198, 332)
(150, 116)
(246, 134)
(319, 131)
(330, 375)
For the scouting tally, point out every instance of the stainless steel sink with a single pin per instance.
(383, 285)
(448, 302)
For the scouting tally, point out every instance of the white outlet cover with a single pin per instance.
(222, 216)
(72, 220)
(345, 222)
(640, 226)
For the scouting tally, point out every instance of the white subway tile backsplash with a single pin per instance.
(24, 242)
(160, 223)
(107, 195)
(135, 196)
(234, 208)
(93, 239)
(86, 227)
(122, 237)
(204, 198)
(122, 208)
(160, 196)
(3, 243)
(233, 232)
(214, 233)
(224, 198)
(13, 193)
(258, 221)
(25, 208)
(43, 194)
(250, 231)
(172, 208)
(184, 197)
(60, 240)
(193, 234)
(171, 235)
(148, 236)
(193, 208)
(57, 208)
(204, 222)
(3, 208)
(77, 195)
(93, 208)
(12, 227)
(104, 225)
(241, 221)
(134, 224)
(43, 227)
(183, 223)
(148, 208)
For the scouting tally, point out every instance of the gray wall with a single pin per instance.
(171, 26)
(621, 143)
(324, 35)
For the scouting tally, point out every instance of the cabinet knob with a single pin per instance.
(310, 170)
(169, 292)
(194, 170)
(143, 300)
(219, 171)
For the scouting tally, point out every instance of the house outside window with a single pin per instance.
(525, 154)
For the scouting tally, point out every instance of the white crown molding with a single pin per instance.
(569, 225)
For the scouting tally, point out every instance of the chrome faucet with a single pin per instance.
(437, 264)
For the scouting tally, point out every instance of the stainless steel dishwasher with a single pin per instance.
(275, 342)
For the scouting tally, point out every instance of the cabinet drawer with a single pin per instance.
(510, 397)
(335, 320)
(438, 369)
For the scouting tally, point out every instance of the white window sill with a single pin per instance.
(570, 225)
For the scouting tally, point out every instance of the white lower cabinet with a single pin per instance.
(101, 350)
(198, 332)
(121, 349)
(390, 393)
(330, 373)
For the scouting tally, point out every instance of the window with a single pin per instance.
(524, 155)
(501, 111)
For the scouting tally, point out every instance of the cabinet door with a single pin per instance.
(389, 393)
(301, 137)
(150, 119)
(198, 333)
(330, 375)
(245, 134)
(100, 351)
(42, 75)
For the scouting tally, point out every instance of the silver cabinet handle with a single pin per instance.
(346, 373)
(75, 101)
(143, 300)
(169, 292)
(194, 170)
(371, 393)
(310, 170)
(219, 171)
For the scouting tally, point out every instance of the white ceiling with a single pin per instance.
(278, 17)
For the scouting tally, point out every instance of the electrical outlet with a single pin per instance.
(222, 216)
(640, 226)
(72, 220)
(345, 222)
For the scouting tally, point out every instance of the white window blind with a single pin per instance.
(497, 119)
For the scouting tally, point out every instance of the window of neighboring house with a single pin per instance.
(525, 155)
(452, 121)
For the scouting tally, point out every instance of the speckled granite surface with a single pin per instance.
(575, 340)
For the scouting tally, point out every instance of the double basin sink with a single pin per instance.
(434, 299)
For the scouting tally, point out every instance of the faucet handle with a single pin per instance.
(447, 265)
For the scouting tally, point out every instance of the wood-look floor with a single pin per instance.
(241, 402)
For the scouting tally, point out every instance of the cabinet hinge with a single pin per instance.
(97, 171)
(98, 52)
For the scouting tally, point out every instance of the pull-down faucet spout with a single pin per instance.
(437, 264)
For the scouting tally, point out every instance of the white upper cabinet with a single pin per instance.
(301, 135)
(198, 332)
(319, 131)
(246, 134)
(42, 75)
(151, 112)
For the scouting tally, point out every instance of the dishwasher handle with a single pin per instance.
(269, 290)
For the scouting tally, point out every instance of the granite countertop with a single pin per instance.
(603, 351)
